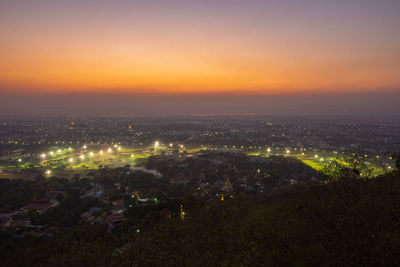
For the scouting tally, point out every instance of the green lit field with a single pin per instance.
(314, 164)
(95, 158)
(67, 161)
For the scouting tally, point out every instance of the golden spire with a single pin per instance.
(182, 213)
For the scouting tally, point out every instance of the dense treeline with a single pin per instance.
(346, 222)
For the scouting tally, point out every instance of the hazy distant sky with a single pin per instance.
(209, 47)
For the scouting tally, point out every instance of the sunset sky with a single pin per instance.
(164, 46)
(55, 54)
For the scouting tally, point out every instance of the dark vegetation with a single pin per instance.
(345, 222)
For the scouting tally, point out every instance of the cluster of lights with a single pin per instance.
(117, 147)
(51, 153)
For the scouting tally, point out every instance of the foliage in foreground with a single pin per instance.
(347, 222)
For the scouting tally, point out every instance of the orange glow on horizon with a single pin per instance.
(84, 71)
(69, 49)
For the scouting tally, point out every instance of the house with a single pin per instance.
(115, 219)
(40, 205)
(119, 202)
(118, 206)
(88, 215)
(105, 199)
(18, 224)
(96, 192)
(53, 194)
